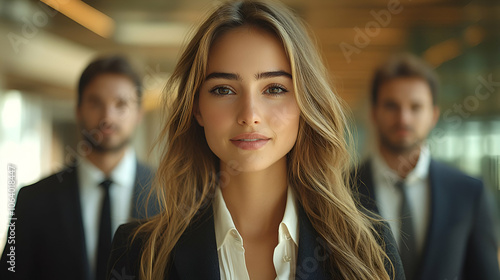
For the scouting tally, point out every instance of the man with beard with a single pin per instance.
(438, 215)
(65, 222)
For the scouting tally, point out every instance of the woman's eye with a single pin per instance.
(221, 91)
(274, 90)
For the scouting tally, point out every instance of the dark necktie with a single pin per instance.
(105, 235)
(407, 246)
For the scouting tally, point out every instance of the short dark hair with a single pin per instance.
(115, 64)
(404, 66)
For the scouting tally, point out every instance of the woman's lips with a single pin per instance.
(250, 141)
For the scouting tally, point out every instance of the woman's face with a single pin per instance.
(247, 102)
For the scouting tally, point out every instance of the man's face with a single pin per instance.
(404, 113)
(109, 112)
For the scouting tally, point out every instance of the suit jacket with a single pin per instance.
(460, 241)
(195, 254)
(49, 234)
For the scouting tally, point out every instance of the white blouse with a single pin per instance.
(230, 247)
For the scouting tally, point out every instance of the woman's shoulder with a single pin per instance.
(125, 253)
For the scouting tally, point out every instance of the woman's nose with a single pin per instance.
(249, 111)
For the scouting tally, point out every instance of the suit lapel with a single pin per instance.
(142, 186)
(197, 248)
(365, 187)
(436, 215)
(311, 257)
(71, 219)
(367, 198)
(195, 254)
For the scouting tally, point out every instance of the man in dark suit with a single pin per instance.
(64, 223)
(439, 216)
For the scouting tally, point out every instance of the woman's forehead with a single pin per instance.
(247, 48)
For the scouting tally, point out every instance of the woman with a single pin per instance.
(253, 181)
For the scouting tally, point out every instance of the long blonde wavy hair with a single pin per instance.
(318, 165)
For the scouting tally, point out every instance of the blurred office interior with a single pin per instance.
(46, 44)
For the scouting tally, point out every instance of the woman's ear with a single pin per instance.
(197, 114)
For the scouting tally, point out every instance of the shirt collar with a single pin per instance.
(224, 224)
(222, 219)
(290, 218)
(89, 175)
(122, 175)
(420, 172)
(381, 171)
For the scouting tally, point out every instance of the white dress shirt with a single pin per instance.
(92, 195)
(388, 197)
(230, 247)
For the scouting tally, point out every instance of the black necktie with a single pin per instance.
(407, 247)
(105, 235)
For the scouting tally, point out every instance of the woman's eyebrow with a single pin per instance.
(222, 75)
(273, 74)
(258, 76)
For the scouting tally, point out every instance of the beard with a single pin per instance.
(104, 147)
(101, 144)
(401, 147)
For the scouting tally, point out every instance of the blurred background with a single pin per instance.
(44, 46)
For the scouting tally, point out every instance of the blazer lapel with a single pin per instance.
(197, 249)
(195, 254)
(436, 215)
(311, 257)
(365, 187)
(141, 209)
(71, 219)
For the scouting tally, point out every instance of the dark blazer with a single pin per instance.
(49, 234)
(460, 241)
(195, 254)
